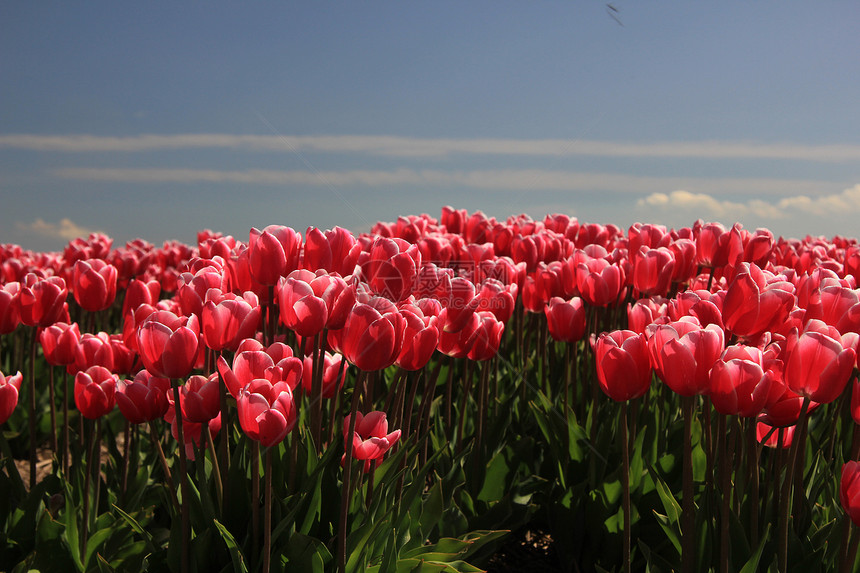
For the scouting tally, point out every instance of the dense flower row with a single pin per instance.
(766, 328)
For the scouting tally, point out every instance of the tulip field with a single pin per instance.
(420, 397)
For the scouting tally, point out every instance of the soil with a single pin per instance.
(529, 550)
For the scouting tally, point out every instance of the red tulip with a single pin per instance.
(817, 365)
(372, 336)
(459, 308)
(600, 283)
(645, 311)
(756, 301)
(371, 438)
(59, 343)
(652, 271)
(273, 253)
(144, 398)
(309, 302)
(268, 413)
(199, 398)
(623, 365)
(10, 316)
(168, 344)
(855, 401)
(683, 352)
(228, 321)
(192, 432)
(391, 268)
(193, 287)
(254, 362)
(496, 297)
(335, 250)
(718, 247)
(331, 368)
(42, 302)
(565, 319)
(9, 388)
(419, 338)
(740, 381)
(762, 430)
(94, 391)
(849, 490)
(485, 340)
(94, 284)
(93, 350)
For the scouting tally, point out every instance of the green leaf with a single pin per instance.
(671, 530)
(234, 549)
(70, 520)
(147, 538)
(752, 564)
(307, 554)
(95, 541)
(670, 504)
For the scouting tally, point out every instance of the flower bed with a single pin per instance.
(402, 400)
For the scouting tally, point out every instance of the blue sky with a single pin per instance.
(155, 120)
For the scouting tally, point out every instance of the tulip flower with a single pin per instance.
(740, 381)
(273, 253)
(94, 284)
(484, 341)
(140, 292)
(254, 362)
(144, 398)
(267, 412)
(229, 320)
(371, 438)
(849, 490)
(309, 302)
(683, 352)
(10, 316)
(623, 365)
(199, 398)
(496, 297)
(59, 343)
(762, 430)
(565, 319)
(756, 301)
(419, 338)
(717, 247)
(817, 365)
(652, 271)
(335, 250)
(168, 344)
(194, 287)
(600, 283)
(330, 380)
(93, 350)
(391, 268)
(95, 388)
(42, 302)
(10, 386)
(372, 336)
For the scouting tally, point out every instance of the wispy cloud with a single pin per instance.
(388, 145)
(503, 179)
(845, 203)
(65, 229)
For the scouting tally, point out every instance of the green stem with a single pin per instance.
(625, 480)
(346, 488)
(785, 494)
(688, 516)
(183, 479)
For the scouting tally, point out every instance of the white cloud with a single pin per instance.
(389, 145)
(704, 205)
(65, 229)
